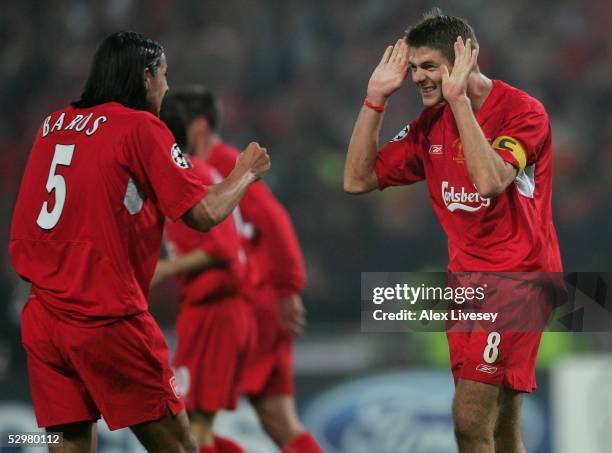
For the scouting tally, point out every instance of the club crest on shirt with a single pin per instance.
(401, 134)
(457, 151)
(178, 158)
(460, 199)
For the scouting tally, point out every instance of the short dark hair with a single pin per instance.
(440, 32)
(193, 101)
(117, 71)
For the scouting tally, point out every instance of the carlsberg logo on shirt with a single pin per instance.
(465, 201)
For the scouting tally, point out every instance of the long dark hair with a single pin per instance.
(117, 71)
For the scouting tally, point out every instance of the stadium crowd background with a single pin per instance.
(292, 75)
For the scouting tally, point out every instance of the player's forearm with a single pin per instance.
(220, 200)
(488, 171)
(359, 174)
(194, 261)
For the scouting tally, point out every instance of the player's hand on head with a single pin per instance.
(454, 84)
(254, 159)
(390, 74)
(292, 314)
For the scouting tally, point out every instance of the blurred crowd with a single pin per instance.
(291, 74)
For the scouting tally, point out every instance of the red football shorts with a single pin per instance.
(213, 342)
(269, 370)
(513, 367)
(120, 370)
(503, 353)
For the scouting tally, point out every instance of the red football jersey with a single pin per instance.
(512, 232)
(222, 242)
(89, 216)
(272, 247)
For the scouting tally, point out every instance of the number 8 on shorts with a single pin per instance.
(491, 351)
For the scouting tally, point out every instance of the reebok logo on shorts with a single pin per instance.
(174, 386)
(435, 149)
(182, 381)
(486, 368)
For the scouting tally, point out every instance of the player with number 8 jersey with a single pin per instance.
(485, 150)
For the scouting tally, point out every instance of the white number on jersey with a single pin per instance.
(55, 182)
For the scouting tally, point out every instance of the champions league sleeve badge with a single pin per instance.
(401, 134)
(178, 158)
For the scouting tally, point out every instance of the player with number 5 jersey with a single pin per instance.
(86, 232)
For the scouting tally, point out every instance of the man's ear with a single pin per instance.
(147, 79)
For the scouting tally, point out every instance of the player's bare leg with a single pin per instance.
(475, 411)
(168, 434)
(80, 437)
(508, 437)
(201, 425)
(278, 417)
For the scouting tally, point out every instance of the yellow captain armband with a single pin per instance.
(515, 148)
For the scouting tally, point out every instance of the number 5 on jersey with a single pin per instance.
(62, 156)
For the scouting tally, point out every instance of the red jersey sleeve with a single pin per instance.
(287, 273)
(399, 162)
(522, 136)
(275, 250)
(160, 169)
(213, 242)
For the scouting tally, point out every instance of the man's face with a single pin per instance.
(156, 86)
(424, 64)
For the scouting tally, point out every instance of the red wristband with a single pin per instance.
(378, 108)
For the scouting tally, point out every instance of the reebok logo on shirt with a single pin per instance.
(462, 200)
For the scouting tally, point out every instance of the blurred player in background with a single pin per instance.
(484, 149)
(215, 327)
(276, 277)
(86, 232)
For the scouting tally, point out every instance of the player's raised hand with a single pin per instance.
(390, 74)
(254, 159)
(454, 85)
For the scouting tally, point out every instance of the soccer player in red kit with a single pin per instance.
(484, 149)
(86, 232)
(276, 277)
(215, 326)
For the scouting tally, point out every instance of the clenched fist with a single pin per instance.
(255, 160)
